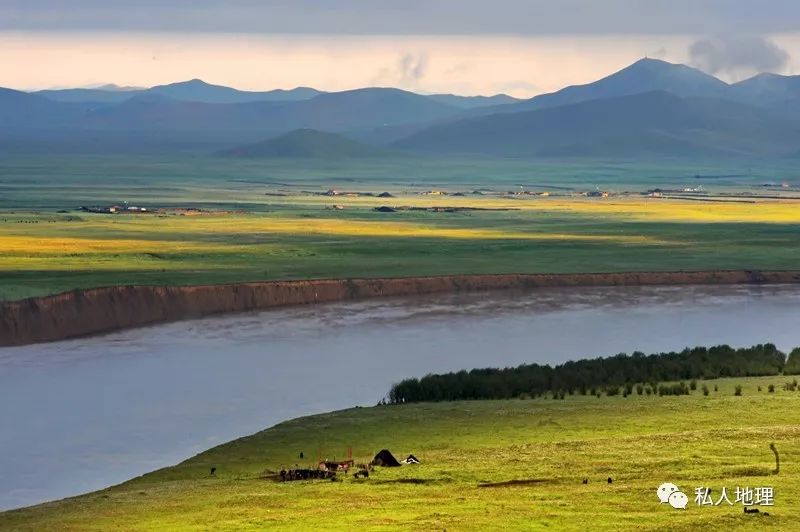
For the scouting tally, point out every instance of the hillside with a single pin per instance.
(28, 111)
(645, 75)
(483, 463)
(650, 124)
(305, 144)
(341, 111)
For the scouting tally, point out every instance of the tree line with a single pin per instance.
(619, 373)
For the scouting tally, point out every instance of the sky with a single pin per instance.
(520, 47)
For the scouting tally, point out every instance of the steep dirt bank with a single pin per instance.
(97, 310)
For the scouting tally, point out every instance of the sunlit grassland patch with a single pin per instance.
(231, 227)
(623, 208)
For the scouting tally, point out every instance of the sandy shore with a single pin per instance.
(98, 310)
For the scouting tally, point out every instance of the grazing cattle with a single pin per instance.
(610, 480)
(586, 481)
(213, 470)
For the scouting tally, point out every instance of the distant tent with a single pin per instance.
(385, 459)
(385, 195)
(411, 459)
(384, 208)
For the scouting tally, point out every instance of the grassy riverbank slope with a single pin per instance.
(548, 446)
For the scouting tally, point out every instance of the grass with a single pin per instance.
(43, 253)
(551, 445)
(274, 227)
(297, 237)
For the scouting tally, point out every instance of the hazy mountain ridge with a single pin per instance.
(194, 90)
(653, 123)
(606, 117)
(197, 90)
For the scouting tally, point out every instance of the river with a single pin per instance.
(84, 414)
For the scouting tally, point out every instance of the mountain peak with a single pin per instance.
(652, 61)
(195, 82)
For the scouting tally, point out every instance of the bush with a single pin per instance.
(759, 388)
(693, 384)
(771, 388)
(673, 389)
(639, 389)
(716, 388)
(648, 390)
(612, 390)
(705, 390)
(737, 390)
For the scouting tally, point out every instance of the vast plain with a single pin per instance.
(212, 221)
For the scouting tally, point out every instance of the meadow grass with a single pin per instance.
(48, 252)
(299, 236)
(276, 225)
(715, 441)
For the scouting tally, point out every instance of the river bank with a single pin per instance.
(100, 310)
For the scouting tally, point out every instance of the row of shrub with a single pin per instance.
(619, 374)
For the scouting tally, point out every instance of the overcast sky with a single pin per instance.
(468, 46)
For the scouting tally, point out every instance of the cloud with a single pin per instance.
(412, 17)
(407, 72)
(413, 67)
(737, 56)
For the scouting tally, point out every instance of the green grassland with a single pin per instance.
(275, 227)
(715, 441)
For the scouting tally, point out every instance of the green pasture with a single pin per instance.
(534, 453)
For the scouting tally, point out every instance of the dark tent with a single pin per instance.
(411, 459)
(385, 459)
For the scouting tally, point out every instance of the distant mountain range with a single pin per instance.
(654, 123)
(197, 90)
(649, 109)
(194, 90)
